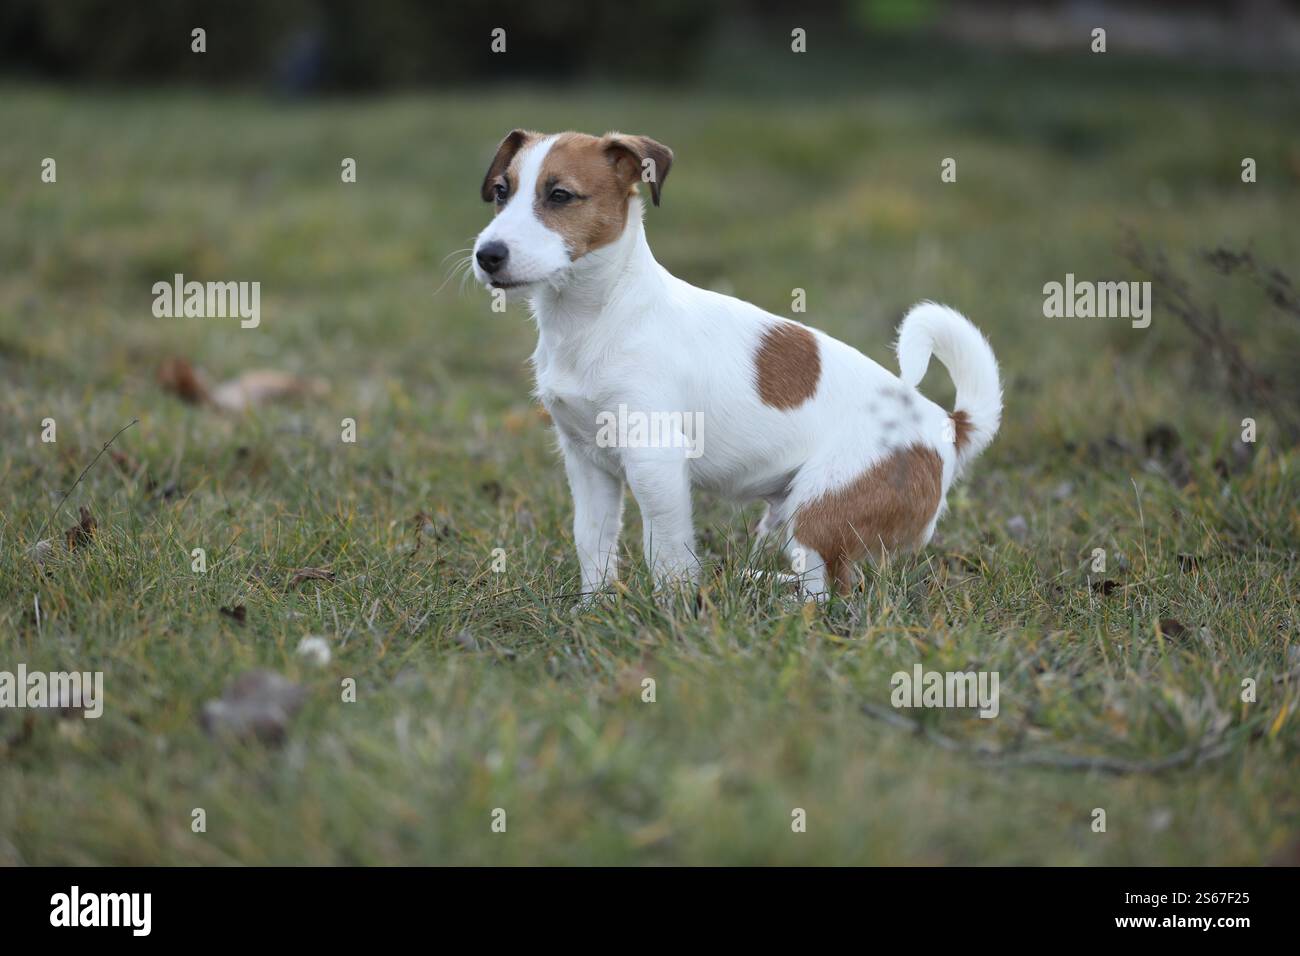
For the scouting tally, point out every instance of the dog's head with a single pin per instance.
(559, 198)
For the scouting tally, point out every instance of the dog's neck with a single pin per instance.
(596, 282)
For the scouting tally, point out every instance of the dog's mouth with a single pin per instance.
(503, 284)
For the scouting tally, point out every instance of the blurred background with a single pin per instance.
(314, 46)
(817, 171)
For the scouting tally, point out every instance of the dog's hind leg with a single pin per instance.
(762, 532)
(809, 570)
(773, 520)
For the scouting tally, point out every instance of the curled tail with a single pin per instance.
(928, 329)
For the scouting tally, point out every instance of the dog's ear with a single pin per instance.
(640, 159)
(513, 142)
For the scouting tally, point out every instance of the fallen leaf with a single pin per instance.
(256, 387)
(238, 613)
(310, 574)
(179, 377)
(81, 532)
(1172, 628)
(261, 386)
(257, 704)
(1161, 440)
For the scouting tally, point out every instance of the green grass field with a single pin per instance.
(478, 690)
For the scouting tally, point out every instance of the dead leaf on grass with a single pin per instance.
(238, 613)
(81, 532)
(1170, 627)
(179, 377)
(262, 386)
(256, 387)
(310, 574)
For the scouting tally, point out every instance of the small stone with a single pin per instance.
(40, 552)
(256, 704)
(315, 649)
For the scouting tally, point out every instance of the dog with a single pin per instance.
(851, 460)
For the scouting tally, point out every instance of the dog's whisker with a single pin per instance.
(456, 252)
(463, 266)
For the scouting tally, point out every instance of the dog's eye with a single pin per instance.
(501, 192)
(560, 196)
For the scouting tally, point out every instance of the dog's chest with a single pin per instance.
(575, 408)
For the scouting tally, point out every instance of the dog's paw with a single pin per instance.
(679, 595)
(781, 578)
(591, 600)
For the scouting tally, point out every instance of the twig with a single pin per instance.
(59, 507)
(1203, 321)
(1272, 280)
(1202, 752)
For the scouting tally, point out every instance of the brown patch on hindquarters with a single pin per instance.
(886, 509)
(788, 365)
(961, 429)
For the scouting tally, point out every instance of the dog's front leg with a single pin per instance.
(597, 519)
(661, 483)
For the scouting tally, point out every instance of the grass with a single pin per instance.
(479, 690)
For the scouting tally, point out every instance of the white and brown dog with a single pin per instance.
(851, 459)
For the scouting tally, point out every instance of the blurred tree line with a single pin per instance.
(350, 44)
(321, 45)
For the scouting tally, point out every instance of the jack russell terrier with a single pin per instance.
(852, 461)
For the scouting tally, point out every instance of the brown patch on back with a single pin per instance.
(886, 509)
(788, 365)
(962, 427)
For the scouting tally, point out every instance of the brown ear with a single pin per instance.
(640, 159)
(513, 142)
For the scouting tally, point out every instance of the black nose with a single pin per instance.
(492, 256)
